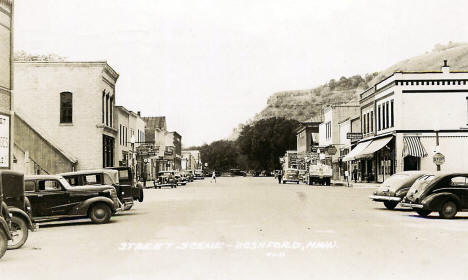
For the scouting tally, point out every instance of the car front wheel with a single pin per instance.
(423, 213)
(448, 210)
(390, 205)
(100, 213)
(3, 243)
(19, 233)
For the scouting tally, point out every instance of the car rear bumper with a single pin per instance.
(412, 205)
(382, 198)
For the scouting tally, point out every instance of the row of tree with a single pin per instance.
(259, 146)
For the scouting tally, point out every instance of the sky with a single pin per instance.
(209, 65)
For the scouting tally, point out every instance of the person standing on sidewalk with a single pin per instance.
(280, 176)
(355, 174)
(213, 177)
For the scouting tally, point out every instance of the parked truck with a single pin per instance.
(319, 172)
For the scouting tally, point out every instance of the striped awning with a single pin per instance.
(413, 147)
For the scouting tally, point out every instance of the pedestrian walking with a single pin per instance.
(280, 176)
(213, 177)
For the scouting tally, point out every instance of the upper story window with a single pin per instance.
(66, 107)
(379, 118)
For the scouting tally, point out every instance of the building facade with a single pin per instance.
(408, 117)
(329, 134)
(73, 105)
(6, 83)
(191, 160)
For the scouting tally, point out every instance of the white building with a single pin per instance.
(401, 118)
(329, 133)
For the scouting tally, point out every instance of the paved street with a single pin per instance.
(248, 228)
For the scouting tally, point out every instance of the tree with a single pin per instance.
(265, 141)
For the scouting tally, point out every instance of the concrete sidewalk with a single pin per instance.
(355, 185)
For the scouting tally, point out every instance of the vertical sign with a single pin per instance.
(4, 141)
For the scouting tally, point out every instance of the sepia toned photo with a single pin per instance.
(233, 139)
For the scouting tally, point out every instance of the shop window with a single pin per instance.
(386, 115)
(66, 107)
(392, 116)
(379, 119)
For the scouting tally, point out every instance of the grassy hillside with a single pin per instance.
(302, 105)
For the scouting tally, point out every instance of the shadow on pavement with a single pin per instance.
(69, 223)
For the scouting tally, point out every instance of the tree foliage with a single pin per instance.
(264, 141)
(259, 146)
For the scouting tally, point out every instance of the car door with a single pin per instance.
(52, 198)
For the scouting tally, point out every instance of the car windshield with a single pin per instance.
(123, 174)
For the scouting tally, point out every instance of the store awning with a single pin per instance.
(354, 152)
(373, 147)
(413, 147)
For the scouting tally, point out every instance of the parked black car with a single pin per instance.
(53, 198)
(5, 220)
(394, 188)
(102, 177)
(126, 178)
(165, 179)
(18, 205)
(446, 193)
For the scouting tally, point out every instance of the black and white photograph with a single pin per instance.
(233, 139)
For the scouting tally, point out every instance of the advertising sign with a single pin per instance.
(4, 141)
(354, 135)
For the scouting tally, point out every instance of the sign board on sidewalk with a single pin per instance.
(354, 135)
(4, 141)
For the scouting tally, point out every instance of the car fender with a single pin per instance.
(20, 213)
(435, 201)
(83, 207)
(5, 228)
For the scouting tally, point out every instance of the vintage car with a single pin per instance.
(199, 175)
(394, 188)
(126, 178)
(5, 221)
(53, 198)
(165, 179)
(446, 193)
(291, 175)
(85, 178)
(12, 188)
(180, 178)
(189, 175)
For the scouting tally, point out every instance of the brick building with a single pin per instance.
(73, 105)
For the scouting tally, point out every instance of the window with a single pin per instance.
(372, 121)
(49, 185)
(111, 112)
(383, 116)
(386, 115)
(392, 118)
(379, 119)
(107, 109)
(29, 186)
(94, 179)
(103, 107)
(458, 182)
(66, 107)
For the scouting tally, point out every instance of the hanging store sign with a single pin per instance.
(4, 141)
(354, 135)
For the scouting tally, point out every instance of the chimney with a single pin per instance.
(445, 68)
(139, 113)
